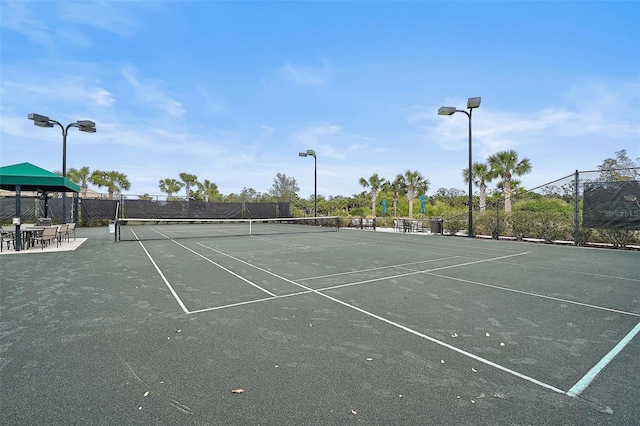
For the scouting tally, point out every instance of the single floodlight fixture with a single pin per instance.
(85, 123)
(38, 118)
(311, 152)
(446, 110)
(87, 129)
(43, 123)
(473, 102)
(302, 154)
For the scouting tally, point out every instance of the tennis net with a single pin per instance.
(136, 229)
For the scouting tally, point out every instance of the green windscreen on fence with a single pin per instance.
(611, 205)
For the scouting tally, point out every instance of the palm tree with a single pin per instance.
(414, 185)
(376, 183)
(395, 187)
(114, 181)
(80, 177)
(189, 181)
(506, 165)
(170, 186)
(481, 175)
(342, 203)
(209, 189)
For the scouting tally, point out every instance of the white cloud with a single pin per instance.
(211, 104)
(108, 16)
(102, 97)
(18, 16)
(312, 135)
(75, 91)
(306, 75)
(267, 130)
(574, 122)
(148, 92)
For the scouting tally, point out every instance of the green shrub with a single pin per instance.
(454, 225)
(552, 226)
(521, 224)
(586, 235)
(543, 205)
(619, 237)
(485, 223)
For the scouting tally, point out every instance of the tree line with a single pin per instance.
(504, 164)
(403, 189)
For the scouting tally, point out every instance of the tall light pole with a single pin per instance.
(82, 125)
(471, 104)
(312, 153)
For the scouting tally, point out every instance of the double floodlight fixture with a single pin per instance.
(471, 103)
(312, 153)
(44, 121)
(309, 153)
(86, 126)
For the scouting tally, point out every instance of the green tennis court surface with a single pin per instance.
(320, 328)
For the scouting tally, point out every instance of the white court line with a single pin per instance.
(590, 274)
(586, 380)
(375, 269)
(282, 243)
(166, 282)
(249, 302)
(333, 287)
(359, 282)
(402, 327)
(225, 269)
(533, 294)
(216, 264)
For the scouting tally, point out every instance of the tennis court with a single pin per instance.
(342, 327)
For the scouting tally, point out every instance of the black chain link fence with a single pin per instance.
(97, 212)
(555, 212)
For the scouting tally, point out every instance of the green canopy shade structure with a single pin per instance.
(27, 177)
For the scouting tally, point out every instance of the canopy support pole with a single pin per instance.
(17, 242)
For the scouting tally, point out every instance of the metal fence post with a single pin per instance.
(576, 209)
(498, 220)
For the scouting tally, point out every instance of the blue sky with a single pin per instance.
(232, 91)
